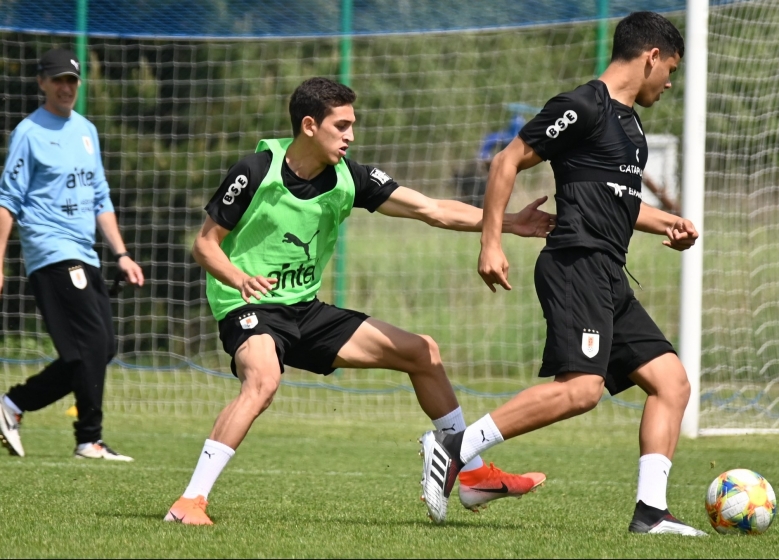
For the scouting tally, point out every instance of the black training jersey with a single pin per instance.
(372, 187)
(598, 151)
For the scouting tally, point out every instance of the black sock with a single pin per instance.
(453, 444)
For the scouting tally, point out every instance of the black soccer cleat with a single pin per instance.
(442, 464)
(653, 521)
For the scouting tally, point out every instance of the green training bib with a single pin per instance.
(283, 237)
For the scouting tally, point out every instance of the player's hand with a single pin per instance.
(530, 221)
(255, 287)
(681, 235)
(494, 268)
(132, 272)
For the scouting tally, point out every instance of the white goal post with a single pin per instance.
(729, 332)
(693, 183)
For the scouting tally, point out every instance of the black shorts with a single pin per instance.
(594, 323)
(308, 335)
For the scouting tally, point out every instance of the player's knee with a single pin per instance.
(259, 388)
(585, 393)
(678, 389)
(430, 349)
(670, 385)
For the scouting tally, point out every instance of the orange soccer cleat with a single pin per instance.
(189, 511)
(487, 483)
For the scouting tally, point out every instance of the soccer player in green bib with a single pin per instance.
(271, 228)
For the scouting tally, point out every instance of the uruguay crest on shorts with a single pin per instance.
(78, 277)
(590, 343)
(249, 321)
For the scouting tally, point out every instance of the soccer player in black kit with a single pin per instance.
(598, 334)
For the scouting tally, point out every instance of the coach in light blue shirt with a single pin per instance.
(54, 186)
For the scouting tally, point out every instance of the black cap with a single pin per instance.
(59, 62)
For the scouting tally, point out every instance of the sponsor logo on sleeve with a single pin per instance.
(380, 177)
(17, 168)
(235, 189)
(568, 118)
(78, 277)
(590, 343)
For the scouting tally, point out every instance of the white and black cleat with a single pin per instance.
(439, 473)
(9, 429)
(99, 450)
(653, 521)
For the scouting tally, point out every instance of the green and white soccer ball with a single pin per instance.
(740, 501)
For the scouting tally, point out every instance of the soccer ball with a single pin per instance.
(740, 501)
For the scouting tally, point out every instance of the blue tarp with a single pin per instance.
(303, 18)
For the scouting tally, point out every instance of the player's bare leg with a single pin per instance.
(258, 370)
(665, 382)
(569, 395)
(380, 345)
(376, 344)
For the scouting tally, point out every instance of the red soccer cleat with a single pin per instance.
(487, 483)
(189, 511)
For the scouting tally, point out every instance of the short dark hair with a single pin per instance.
(643, 31)
(315, 98)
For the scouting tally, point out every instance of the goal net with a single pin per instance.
(740, 345)
(175, 106)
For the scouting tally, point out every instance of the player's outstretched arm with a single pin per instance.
(6, 223)
(459, 216)
(106, 222)
(207, 252)
(493, 265)
(681, 233)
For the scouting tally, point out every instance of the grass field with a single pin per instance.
(350, 489)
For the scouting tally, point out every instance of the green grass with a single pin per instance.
(349, 489)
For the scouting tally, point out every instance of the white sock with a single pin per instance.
(653, 472)
(454, 423)
(479, 437)
(212, 461)
(12, 405)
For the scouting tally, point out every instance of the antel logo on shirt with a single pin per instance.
(568, 118)
(235, 189)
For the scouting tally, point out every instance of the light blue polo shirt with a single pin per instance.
(54, 184)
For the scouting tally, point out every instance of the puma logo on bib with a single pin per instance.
(590, 343)
(78, 277)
